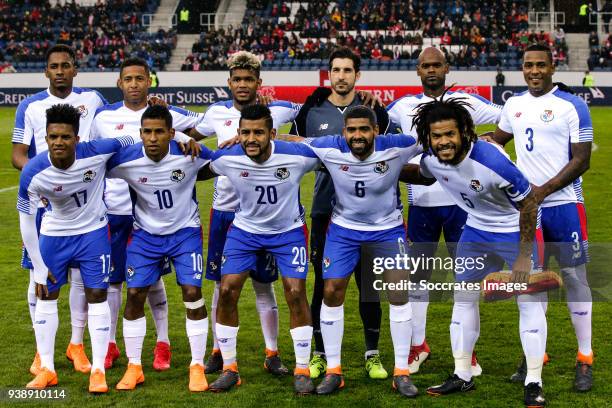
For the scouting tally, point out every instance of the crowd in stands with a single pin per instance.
(102, 35)
(473, 34)
(600, 57)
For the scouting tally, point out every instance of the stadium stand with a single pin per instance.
(388, 34)
(102, 35)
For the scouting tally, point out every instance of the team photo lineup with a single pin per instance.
(108, 206)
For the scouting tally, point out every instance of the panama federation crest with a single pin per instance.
(282, 173)
(476, 186)
(88, 176)
(177, 175)
(381, 167)
(547, 115)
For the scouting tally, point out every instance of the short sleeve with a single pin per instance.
(579, 121)
(485, 111)
(184, 119)
(23, 131)
(504, 120)
(205, 125)
(514, 183)
(27, 198)
(423, 168)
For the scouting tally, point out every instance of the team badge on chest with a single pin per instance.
(177, 175)
(547, 115)
(88, 176)
(381, 167)
(282, 173)
(476, 186)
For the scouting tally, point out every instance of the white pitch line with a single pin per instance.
(4, 190)
(594, 147)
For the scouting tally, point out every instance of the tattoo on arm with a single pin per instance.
(527, 223)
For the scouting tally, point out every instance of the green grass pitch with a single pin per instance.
(498, 347)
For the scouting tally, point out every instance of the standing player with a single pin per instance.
(365, 172)
(222, 119)
(116, 120)
(322, 114)
(166, 224)
(266, 177)
(28, 140)
(431, 211)
(553, 135)
(74, 229)
(489, 187)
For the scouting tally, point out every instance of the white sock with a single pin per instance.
(197, 331)
(532, 327)
(213, 315)
(579, 303)
(419, 301)
(332, 330)
(158, 301)
(78, 306)
(32, 296)
(302, 336)
(265, 301)
(134, 332)
(46, 321)
(401, 333)
(228, 337)
(114, 299)
(99, 320)
(464, 330)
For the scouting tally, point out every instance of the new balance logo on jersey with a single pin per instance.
(282, 173)
(57, 189)
(381, 167)
(142, 180)
(323, 126)
(476, 186)
(244, 174)
(88, 176)
(177, 175)
(344, 167)
(119, 126)
(518, 114)
(228, 123)
(547, 116)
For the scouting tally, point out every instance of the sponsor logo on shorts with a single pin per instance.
(177, 175)
(381, 167)
(476, 186)
(323, 126)
(300, 269)
(213, 265)
(88, 176)
(282, 173)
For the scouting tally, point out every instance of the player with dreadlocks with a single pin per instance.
(500, 228)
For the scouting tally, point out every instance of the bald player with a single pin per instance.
(431, 211)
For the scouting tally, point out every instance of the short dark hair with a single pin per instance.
(157, 112)
(344, 52)
(359, 112)
(440, 109)
(57, 48)
(540, 47)
(256, 112)
(64, 114)
(134, 62)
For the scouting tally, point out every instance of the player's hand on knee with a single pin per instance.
(42, 290)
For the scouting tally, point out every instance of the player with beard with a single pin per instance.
(553, 134)
(431, 211)
(321, 115)
(500, 229)
(28, 141)
(222, 119)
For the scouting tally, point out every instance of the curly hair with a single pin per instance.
(244, 60)
(64, 114)
(444, 109)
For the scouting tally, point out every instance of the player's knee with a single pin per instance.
(191, 293)
(295, 296)
(136, 298)
(228, 294)
(333, 295)
(95, 295)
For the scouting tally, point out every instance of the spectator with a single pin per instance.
(500, 78)
(588, 80)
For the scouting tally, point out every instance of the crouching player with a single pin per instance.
(489, 187)
(166, 224)
(74, 230)
(266, 176)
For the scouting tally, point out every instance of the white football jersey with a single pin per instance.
(486, 185)
(401, 112)
(163, 193)
(222, 119)
(367, 191)
(31, 116)
(116, 120)
(268, 193)
(73, 197)
(544, 128)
